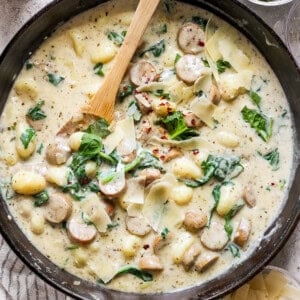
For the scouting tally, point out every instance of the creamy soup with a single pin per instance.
(182, 184)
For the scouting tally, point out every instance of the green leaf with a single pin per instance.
(228, 226)
(163, 29)
(117, 38)
(176, 127)
(157, 49)
(143, 275)
(133, 111)
(35, 113)
(164, 233)
(41, 198)
(99, 127)
(256, 99)
(200, 21)
(112, 226)
(205, 62)
(273, 158)
(72, 247)
(98, 69)
(125, 90)
(27, 136)
(222, 65)
(177, 57)
(150, 161)
(234, 249)
(135, 163)
(85, 218)
(55, 79)
(40, 149)
(28, 64)
(258, 121)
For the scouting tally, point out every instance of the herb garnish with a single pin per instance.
(222, 65)
(273, 158)
(99, 127)
(177, 57)
(40, 149)
(256, 99)
(41, 198)
(55, 79)
(176, 127)
(35, 113)
(27, 136)
(157, 49)
(261, 123)
(117, 38)
(234, 249)
(98, 69)
(164, 233)
(228, 226)
(28, 64)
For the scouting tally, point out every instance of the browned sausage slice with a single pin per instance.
(191, 38)
(189, 68)
(214, 95)
(150, 174)
(205, 261)
(58, 208)
(242, 233)
(142, 72)
(190, 256)
(137, 225)
(194, 220)
(115, 187)
(58, 152)
(214, 237)
(80, 232)
(249, 196)
(150, 263)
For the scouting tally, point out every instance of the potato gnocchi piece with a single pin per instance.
(26, 87)
(228, 139)
(28, 183)
(130, 245)
(102, 54)
(80, 257)
(75, 140)
(57, 175)
(37, 224)
(77, 41)
(180, 245)
(182, 194)
(25, 140)
(186, 168)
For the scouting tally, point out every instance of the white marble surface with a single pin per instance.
(14, 13)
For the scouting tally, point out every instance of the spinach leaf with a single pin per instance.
(273, 158)
(86, 219)
(150, 161)
(112, 226)
(157, 49)
(222, 65)
(163, 29)
(125, 90)
(177, 57)
(176, 127)
(143, 275)
(200, 21)
(164, 233)
(134, 111)
(117, 38)
(27, 136)
(99, 127)
(41, 198)
(40, 149)
(55, 79)
(256, 99)
(228, 226)
(234, 249)
(98, 69)
(28, 64)
(205, 62)
(261, 123)
(73, 187)
(35, 113)
(221, 168)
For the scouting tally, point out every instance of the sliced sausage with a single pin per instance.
(205, 261)
(190, 256)
(189, 68)
(58, 208)
(191, 120)
(113, 188)
(194, 220)
(145, 131)
(214, 95)
(159, 242)
(129, 157)
(214, 237)
(142, 72)
(242, 232)
(191, 38)
(137, 225)
(150, 263)
(80, 232)
(58, 152)
(249, 196)
(172, 154)
(144, 102)
(150, 174)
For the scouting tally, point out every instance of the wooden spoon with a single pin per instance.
(103, 103)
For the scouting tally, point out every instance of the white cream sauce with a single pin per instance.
(104, 256)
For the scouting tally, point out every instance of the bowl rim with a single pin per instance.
(291, 223)
(271, 3)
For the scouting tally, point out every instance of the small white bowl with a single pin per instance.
(271, 3)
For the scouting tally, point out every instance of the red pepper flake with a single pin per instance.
(163, 137)
(201, 43)
(272, 183)
(195, 152)
(155, 152)
(162, 157)
(85, 180)
(146, 246)
(193, 121)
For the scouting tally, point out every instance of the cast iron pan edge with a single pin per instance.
(11, 62)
